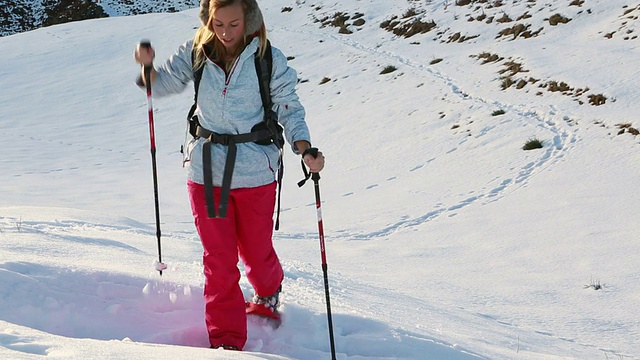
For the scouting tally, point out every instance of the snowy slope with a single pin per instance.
(445, 240)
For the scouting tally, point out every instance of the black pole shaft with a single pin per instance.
(152, 137)
(316, 177)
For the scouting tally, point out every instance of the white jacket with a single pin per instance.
(232, 105)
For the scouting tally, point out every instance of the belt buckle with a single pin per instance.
(222, 139)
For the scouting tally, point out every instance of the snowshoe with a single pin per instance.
(265, 306)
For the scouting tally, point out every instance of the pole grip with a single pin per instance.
(147, 68)
(147, 78)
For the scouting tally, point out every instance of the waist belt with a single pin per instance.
(229, 140)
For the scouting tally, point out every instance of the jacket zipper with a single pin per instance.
(228, 79)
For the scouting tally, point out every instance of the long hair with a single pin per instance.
(206, 38)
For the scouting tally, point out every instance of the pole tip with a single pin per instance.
(160, 266)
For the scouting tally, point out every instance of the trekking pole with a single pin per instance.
(316, 178)
(147, 77)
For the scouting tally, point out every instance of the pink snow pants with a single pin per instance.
(245, 232)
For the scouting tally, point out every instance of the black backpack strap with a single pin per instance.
(197, 75)
(264, 67)
(230, 142)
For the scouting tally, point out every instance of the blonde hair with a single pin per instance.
(206, 38)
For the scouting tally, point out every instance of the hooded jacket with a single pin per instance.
(231, 104)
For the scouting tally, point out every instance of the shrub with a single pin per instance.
(533, 143)
(558, 19)
(409, 28)
(595, 285)
(498, 112)
(340, 21)
(627, 127)
(506, 83)
(597, 100)
(388, 69)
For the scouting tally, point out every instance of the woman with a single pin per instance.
(229, 103)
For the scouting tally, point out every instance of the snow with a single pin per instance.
(444, 239)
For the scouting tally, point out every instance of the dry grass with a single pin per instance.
(511, 77)
(409, 24)
(558, 19)
(342, 21)
(512, 68)
(457, 37)
(488, 57)
(408, 28)
(597, 100)
(519, 30)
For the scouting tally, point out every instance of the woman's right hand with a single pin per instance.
(144, 55)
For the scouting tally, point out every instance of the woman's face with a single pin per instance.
(228, 25)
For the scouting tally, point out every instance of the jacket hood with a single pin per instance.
(253, 17)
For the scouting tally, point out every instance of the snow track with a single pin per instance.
(557, 127)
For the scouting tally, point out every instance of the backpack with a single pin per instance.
(266, 132)
(264, 67)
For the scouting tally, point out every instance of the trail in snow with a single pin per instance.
(564, 134)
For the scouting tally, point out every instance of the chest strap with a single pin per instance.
(229, 140)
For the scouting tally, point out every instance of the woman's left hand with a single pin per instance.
(315, 164)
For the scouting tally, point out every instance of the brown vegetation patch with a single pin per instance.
(523, 16)
(597, 100)
(512, 68)
(519, 30)
(408, 25)
(489, 3)
(627, 128)
(504, 19)
(457, 37)
(558, 19)
(342, 21)
(627, 28)
(510, 77)
(554, 86)
(488, 57)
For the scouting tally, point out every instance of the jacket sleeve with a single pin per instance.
(291, 113)
(175, 73)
